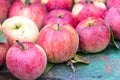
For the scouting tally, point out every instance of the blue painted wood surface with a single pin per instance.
(104, 65)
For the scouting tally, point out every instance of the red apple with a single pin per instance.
(113, 19)
(26, 60)
(60, 42)
(4, 7)
(34, 11)
(57, 4)
(112, 3)
(20, 28)
(90, 9)
(60, 16)
(94, 34)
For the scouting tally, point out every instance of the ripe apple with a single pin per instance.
(20, 28)
(112, 3)
(112, 17)
(60, 42)
(57, 4)
(91, 9)
(26, 60)
(4, 7)
(34, 11)
(60, 16)
(94, 34)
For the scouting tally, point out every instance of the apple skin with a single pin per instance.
(57, 4)
(34, 11)
(3, 51)
(59, 42)
(28, 63)
(83, 10)
(94, 34)
(4, 7)
(60, 16)
(113, 3)
(114, 21)
(20, 28)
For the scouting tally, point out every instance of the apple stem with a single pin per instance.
(22, 46)
(26, 2)
(58, 26)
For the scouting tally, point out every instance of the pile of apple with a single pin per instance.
(34, 32)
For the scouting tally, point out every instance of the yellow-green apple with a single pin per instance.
(94, 34)
(112, 3)
(34, 11)
(89, 9)
(20, 28)
(4, 7)
(60, 16)
(57, 4)
(60, 42)
(26, 60)
(112, 17)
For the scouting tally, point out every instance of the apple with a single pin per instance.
(60, 16)
(94, 34)
(60, 42)
(20, 28)
(4, 7)
(90, 9)
(26, 60)
(112, 17)
(57, 4)
(34, 11)
(112, 3)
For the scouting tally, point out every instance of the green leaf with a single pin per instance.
(78, 58)
(112, 40)
(48, 67)
(3, 39)
(1, 32)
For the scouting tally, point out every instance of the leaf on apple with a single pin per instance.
(112, 40)
(48, 67)
(3, 39)
(77, 58)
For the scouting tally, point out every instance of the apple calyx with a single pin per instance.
(60, 16)
(26, 2)
(17, 26)
(22, 46)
